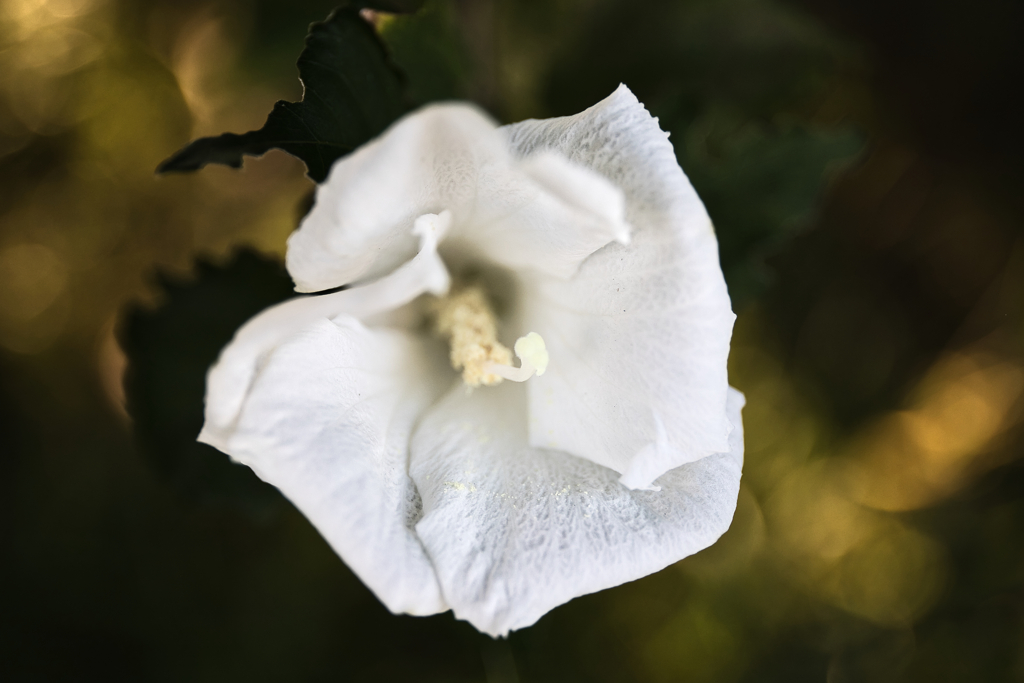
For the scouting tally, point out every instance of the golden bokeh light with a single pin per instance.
(201, 61)
(861, 560)
(32, 276)
(100, 215)
(33, 280)
(826, 542)
(911, 458)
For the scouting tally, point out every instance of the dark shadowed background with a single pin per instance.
(863, 163)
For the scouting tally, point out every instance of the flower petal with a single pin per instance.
(361, 225)
(542, 213)
(327, 420)
(229, 380)
(514, 531)
(641, 334)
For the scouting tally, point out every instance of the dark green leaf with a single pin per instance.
(169, 351)
(352, 92)
(430, 50)
(760, 186)
(393, 6)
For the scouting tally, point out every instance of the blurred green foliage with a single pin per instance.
(881, 314)
(431, 52)
(762, 185)
(736, 82)
(169, 349)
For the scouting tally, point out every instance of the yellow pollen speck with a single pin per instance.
(466, 319)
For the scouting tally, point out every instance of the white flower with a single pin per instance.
(499, 502)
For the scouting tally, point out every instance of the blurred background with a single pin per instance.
(863, 163)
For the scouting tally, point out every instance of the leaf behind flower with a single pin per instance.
(351, 93)
(762, 186)
(169, 350)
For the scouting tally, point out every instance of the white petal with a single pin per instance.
(542, 213)
(361, 225)
(228, 381)
(642, 332)
(513, 531)
(327, 420)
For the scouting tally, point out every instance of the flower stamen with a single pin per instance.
(465, 317)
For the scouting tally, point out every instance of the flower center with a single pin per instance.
(466, 319)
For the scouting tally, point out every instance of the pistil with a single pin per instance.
(533, 359)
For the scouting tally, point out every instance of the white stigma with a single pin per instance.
(533, 360)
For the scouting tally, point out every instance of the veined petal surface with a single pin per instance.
(327, 421)
(542, 213)
(229, 380)
(639, 337)
(361, 225)
(514, 531)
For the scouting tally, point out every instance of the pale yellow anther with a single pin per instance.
(465, 317)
